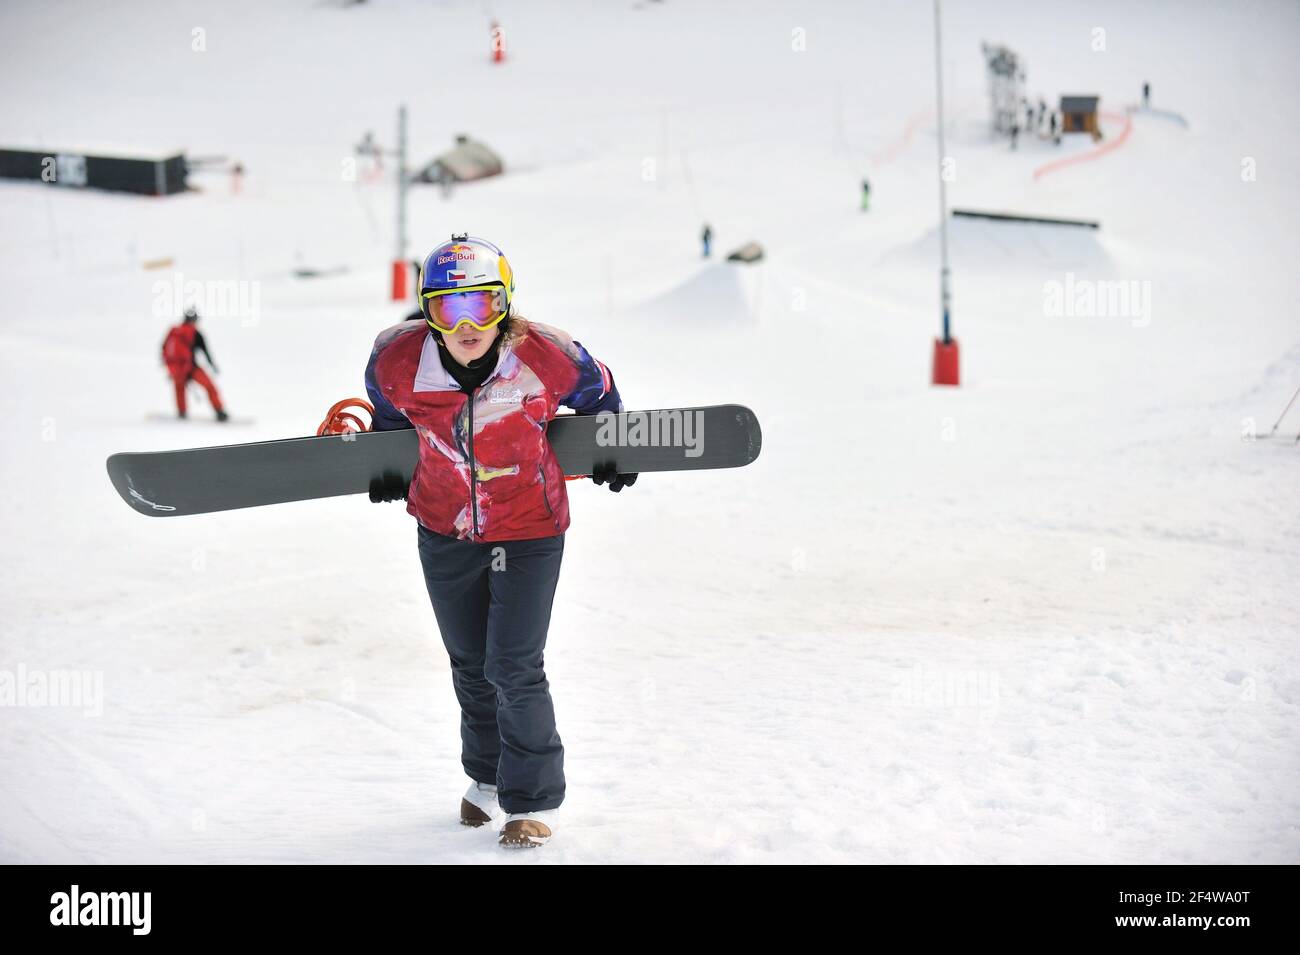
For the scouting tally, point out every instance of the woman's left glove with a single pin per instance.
(605, 474)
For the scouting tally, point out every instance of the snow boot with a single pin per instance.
(479, 805)
(528, 830)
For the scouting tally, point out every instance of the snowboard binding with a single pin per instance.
(340, 420)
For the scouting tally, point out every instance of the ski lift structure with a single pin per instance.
(1006, 78)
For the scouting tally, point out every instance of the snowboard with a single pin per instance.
(232, 476)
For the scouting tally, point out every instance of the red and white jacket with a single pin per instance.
(486, 471)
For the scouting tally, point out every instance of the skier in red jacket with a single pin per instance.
(479, 383)
(179, 352)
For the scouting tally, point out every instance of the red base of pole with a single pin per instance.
(946, 369)
(399, 281)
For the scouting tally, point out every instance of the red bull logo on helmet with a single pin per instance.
(457, 253)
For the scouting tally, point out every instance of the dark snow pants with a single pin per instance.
(493, 604)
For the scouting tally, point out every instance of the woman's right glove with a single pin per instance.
(390, 487)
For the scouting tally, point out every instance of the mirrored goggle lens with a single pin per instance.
(481, 308)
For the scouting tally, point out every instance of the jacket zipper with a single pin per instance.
(473, 468)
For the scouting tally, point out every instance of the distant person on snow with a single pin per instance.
(179, 354)
(1146, 95)
(1015, 134)
(866, 194)
(706, 237)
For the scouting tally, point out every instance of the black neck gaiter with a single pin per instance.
(478, 370)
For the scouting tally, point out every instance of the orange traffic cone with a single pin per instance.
(498, 44)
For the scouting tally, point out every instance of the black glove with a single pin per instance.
(605, 474)
(390, 487)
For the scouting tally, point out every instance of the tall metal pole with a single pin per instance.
(1284, 411)
(401, 183)
(944, 295)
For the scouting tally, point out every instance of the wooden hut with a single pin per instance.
(1079, 115)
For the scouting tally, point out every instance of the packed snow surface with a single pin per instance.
(1048, 616)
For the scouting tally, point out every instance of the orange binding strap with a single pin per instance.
(340, 421)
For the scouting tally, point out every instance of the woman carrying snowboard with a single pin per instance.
(479, 383)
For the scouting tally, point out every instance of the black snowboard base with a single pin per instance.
(232, 476)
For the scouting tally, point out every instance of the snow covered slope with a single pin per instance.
(1048, 616)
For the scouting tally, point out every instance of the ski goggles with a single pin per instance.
(480, 305)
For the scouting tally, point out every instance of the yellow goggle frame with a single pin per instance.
(493, 287)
